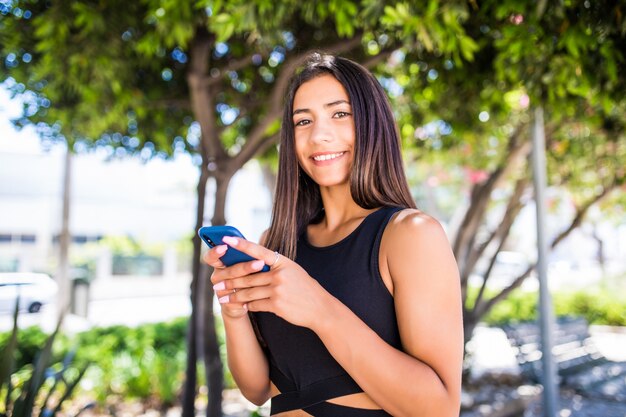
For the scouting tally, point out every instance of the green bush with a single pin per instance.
(146, 362)
(30, 340)
(143, 362)
(597, 306)
(32, 380)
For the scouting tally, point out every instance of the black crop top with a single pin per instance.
(300, 365)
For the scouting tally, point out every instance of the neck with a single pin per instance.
(339, 206)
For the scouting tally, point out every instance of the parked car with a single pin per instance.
(33, 289)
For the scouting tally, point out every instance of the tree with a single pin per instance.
(208, 77)
(566, 57)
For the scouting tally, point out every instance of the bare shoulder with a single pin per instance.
(413, 244)
(414, 226)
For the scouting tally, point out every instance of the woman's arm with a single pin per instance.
(246, 360)
(426, 379)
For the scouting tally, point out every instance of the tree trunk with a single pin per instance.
(202, 106)
(214, 369)
(191, 373)
(63, 278)
(211, 350)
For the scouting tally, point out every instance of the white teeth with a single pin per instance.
(328, 156)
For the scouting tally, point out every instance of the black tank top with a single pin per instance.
(300, 365)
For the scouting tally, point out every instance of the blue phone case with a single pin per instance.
(212, 236)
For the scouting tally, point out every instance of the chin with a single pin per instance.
(328, 182)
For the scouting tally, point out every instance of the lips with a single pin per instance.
(327, 156)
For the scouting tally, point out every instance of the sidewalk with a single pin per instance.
(490, 354)
(490, 351)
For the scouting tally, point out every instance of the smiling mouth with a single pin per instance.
(328, 157)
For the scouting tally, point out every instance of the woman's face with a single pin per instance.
(324, 130)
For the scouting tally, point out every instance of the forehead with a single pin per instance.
(320, 90)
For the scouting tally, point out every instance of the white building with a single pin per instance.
(152, 202)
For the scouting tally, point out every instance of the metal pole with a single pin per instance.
(546, 315)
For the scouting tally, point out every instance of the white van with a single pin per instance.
(33, 289)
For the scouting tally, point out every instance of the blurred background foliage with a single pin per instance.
(153, 78)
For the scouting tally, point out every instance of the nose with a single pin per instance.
(322, 131)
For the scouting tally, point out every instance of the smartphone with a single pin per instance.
(212, 236)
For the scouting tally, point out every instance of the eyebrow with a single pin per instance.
(327, 105)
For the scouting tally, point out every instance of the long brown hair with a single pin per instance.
(377, 178)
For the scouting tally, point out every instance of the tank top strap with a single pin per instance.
(383, 216)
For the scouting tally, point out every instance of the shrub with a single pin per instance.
(144, 362)
(42, 384)
(597, 306)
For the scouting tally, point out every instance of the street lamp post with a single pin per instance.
(546, 315)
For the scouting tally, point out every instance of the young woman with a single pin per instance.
(360, 312)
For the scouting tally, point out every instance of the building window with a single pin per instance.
(24, 238)
(28, 238)
(78, 239)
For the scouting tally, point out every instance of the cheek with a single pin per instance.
(349, 133)
(299, 148)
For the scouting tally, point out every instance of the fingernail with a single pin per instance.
(224, 299)
(230, 240)
(258, 264)
(221, 249)
(219, 286)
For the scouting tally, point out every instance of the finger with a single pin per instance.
(213, 255)
(244, 282)
(242, 269)
(246, 295)
(235, 311)
(253, 249)
(222, 293)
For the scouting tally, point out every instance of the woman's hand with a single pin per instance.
(285, 290)
(212, 257)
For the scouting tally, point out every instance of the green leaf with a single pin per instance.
(424, 37)
(468, 47)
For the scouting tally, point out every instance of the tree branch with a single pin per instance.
(582, 212)
(501, 233)
(232, 65)
(481, 194)
(242, 114)
(201, 97)
(513, 208)
(577, 220)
